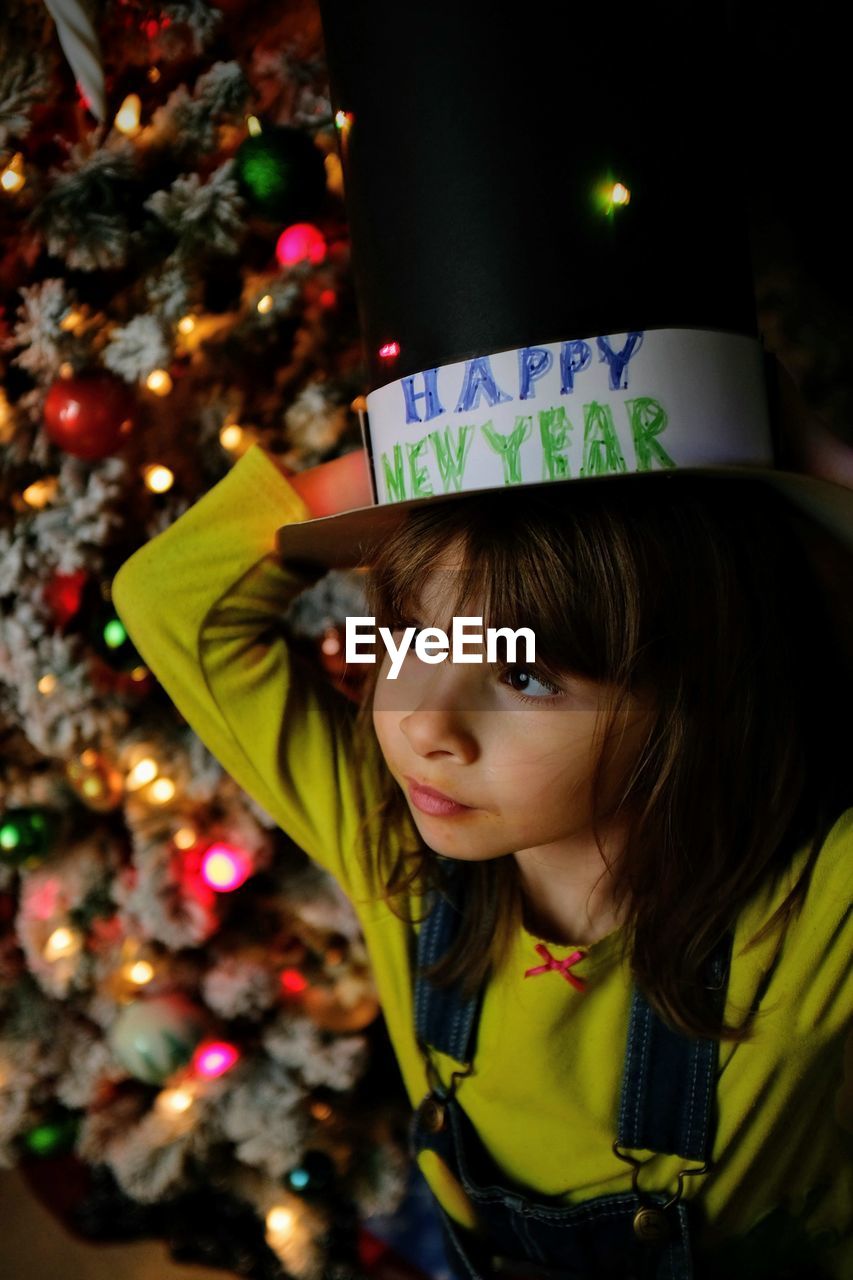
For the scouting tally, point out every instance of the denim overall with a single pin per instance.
(666, 1106)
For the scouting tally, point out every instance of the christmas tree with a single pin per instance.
(185, 999)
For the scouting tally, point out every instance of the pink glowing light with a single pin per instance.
(214, 1058)
(300, 243)
(389, 351)
(225, 868)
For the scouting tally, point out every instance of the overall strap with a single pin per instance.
(443, 1018)
(667, 1101)
(668, 1082)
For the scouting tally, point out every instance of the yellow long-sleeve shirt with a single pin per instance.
(202, 602)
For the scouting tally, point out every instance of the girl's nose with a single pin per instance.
(433, 729)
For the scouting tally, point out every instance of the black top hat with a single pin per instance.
(550, 246)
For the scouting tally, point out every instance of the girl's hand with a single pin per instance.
(335, 486)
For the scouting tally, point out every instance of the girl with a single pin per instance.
(606, 896)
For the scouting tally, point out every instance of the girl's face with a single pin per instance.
(514, 751)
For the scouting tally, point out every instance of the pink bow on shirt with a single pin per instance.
(562, 966)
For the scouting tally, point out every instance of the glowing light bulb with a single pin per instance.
(293, 982)
(186, 324)
(279, 1220)
(89, 758)
(158, 479)
(300, 243)
(127, 117)
(162, 791)
(225, 867)
(66, 369)
(184, 838)
(343, 120)
(12, 178)
(141, 774)
(265, 304)
(620, 194)
(153, 74)
(328, 298)
(321, 1111)
(138, 674)
(141, 972)
(62, 942)
(389, 351)
(331, 643)
(159, 381)
(114, 634)
(215, 1058)
(71, 321)
(231, 437)
(47, 684)
(253, 125)
(175, 1100)
(40, 492)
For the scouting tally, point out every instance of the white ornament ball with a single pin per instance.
(152, 1038)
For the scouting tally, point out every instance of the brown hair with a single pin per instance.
(703, 592)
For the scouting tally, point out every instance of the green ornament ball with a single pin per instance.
(281, 173)
(154, 1037)
(27, 833)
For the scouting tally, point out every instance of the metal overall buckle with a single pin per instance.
(432, 1110)
(651, 1224)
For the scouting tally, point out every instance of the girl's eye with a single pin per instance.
(528, 682)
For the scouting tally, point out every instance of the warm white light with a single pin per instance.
(141, 774)
(47, 684)
(231, 437)
(153, 74)
(159, 381)
(158, 479)
(66, 369)
(141, 972)
(279, 1220)
(186, 324)
(265, 304)
(138, 674)
(89, 758)
(71, 321)
(12, 178)
(162, 791)
(40, 492)
(184, 838)
(62, 942)
(253, 124)
(175, 1100)
(127, 118)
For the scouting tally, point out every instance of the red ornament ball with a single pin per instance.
(301, 243)
(89, 416)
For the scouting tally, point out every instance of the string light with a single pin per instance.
(389, 351)
(138, 674)
(265, 304)
(253, 125)
(300, 243)
(279, 1220)
(12, 178)
(175, 1101)
(72, 321)
(158, 479)
(127, 117)
(66, 369)
(231, 437)
(186, 324)
(62, 942)
(47, 684)
(321, 1111)
(114, 634)
(162, 791)
(214, 1058)
(620, 194)
(343, 120)
(141, 774)
(184, 838)
(225, 867)
(153, 74)
(40, 492)
(159, 381)
(140, 972)
(293, 982)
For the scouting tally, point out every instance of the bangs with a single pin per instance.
(515, 561)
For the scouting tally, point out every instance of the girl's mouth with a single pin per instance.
(433, 802)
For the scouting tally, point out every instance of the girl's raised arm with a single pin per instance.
(203, 603)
